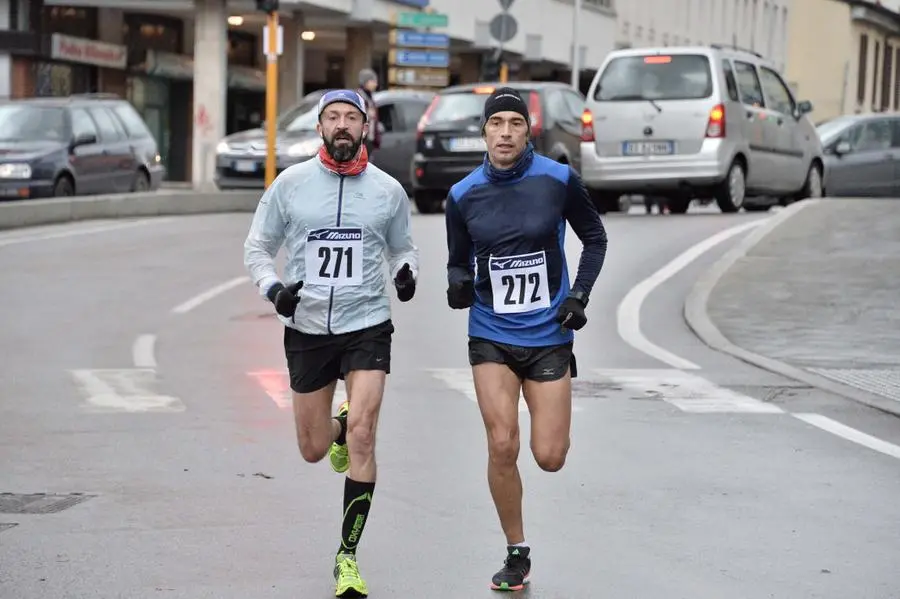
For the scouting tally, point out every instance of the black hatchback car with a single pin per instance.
(75, 145)
(450, 145)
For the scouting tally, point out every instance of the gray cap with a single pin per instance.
(366, 75)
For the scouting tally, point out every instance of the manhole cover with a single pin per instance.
(38, 503)
(6, 526)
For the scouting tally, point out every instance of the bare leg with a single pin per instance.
(550, 405)
(316, 429)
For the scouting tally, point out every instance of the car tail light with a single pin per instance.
(587, 125)
(716, 125)
(424, 120)
(537, 119)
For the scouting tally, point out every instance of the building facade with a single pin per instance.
(195, 68)
(850, 62)
(758, 25)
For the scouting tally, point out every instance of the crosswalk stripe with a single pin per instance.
(688, 392)
(685, 391)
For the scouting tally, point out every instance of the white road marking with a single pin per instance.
(209, 294)
(276, 385)
(685, 391)
(123, 390)
(19, 238)
(629, 311)
(460, 380)
(850, 434)
(142, 352)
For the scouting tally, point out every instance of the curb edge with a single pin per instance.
(698, 320)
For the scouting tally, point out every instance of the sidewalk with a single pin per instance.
(819, 293)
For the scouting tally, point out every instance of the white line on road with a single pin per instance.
(124, 390)
(80, 231)
(142, 352)
(204, 297)
(850, 434)
(629, 312)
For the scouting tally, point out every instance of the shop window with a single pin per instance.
(242, 49)
(70, 20)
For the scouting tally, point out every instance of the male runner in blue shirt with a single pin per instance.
(506, 223)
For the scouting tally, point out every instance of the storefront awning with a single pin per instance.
(181, 67)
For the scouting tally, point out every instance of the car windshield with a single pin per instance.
(455, 107)
(302, 117)
(23, 122)
(829, 130)
(655, 77)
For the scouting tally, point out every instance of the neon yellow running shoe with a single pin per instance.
(347, 581)
(338, 454)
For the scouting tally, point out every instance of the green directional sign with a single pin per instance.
(416, 20)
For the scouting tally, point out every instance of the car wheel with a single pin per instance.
(730, 193)
(141, 182)
(64, 187)
(428, 202)
(605, 201)
(813, 187)
(678, 204)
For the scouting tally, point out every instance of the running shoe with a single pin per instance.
(347, 581)
(339, 455)
(516, 568)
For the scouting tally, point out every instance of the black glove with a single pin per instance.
(405, 284)
(285, 298)
(571, 314)
(461, 295)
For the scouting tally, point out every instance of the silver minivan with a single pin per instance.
(705, 123)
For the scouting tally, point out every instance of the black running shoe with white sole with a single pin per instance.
(516, 568)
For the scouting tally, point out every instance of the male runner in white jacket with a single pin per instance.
(337, 216)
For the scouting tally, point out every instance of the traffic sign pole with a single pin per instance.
(271, 95)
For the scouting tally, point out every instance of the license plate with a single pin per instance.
(245, 166)
(467, 144)
(648, 148)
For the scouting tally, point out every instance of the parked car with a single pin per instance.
(862, 155)
(450, 144)
(75, 145)
(706, 122)
(241, 157)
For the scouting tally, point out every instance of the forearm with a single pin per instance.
(591, 263)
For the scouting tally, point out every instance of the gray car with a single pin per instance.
(862, 155)
(704, 122)
(241, 157)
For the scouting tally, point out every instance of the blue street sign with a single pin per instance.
(415, 3)
(416, 58)
(423, 40)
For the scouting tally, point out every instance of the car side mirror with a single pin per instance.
(804, 107)
(84, 139)
(842, 148)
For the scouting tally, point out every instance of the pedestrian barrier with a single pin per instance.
(29, 213)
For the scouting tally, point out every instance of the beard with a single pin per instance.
(344, 152)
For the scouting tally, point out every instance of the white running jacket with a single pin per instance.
(337, 231)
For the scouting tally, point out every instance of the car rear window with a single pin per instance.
(454, 107)
(655, 77)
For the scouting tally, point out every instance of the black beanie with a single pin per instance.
(503, 99)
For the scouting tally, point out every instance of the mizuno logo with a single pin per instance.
(335, 234)
(528, 261)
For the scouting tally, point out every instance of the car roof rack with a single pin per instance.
(736, 47)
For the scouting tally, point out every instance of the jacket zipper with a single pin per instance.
(337, 224)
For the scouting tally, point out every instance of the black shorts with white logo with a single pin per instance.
(314, 361)
(539, 364)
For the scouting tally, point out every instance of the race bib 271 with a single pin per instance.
(334, 256)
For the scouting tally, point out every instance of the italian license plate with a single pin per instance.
(648, 148)
(467, 144)
(245, 166)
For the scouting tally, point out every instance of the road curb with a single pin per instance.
(164, 202)
(698, 320)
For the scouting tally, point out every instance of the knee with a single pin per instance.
(503, 447)
(309, 451)
(361, 437)
(550, 457)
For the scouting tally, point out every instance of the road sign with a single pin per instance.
(505, 4)
(417, 20)
(419, 58)
(419, 77)
(418, 39)
(504, 27)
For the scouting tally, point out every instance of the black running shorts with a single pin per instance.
(539, 364)
(314, 361)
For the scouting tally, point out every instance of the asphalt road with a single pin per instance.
(126, 379)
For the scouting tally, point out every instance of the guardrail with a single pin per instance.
(29, 213)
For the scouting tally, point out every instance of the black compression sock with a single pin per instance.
(342, 436)
(357, 500)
